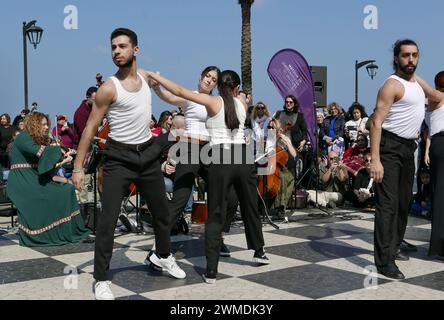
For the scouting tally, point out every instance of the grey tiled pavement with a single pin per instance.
(313, 257)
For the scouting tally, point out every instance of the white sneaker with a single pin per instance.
(102, 290)
(170, 265)
(147, 262)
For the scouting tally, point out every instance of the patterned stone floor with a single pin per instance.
(315, 256)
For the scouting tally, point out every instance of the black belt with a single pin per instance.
(131, 147)
(395, 137)
(439, 134)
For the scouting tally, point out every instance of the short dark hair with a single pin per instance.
(7, 116)
(90, 91)
(397, 49)
(125, 32)
(439, 80)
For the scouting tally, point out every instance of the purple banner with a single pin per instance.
(291, 74)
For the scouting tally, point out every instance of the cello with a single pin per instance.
(273, 182)
(270, 184)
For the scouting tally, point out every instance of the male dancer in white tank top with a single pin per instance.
(130, 156)
(434, 157)
(398, 116)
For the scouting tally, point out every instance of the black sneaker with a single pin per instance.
(401, 256)
(408, 247)
(224, 251)
(209, 277)
(260, 257)
(391, 272)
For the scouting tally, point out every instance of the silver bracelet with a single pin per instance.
(77, 171)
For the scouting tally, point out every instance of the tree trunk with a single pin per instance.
(246, 46)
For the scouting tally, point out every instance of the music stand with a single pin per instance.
(315, 168)
(92, 167)
(129, 224)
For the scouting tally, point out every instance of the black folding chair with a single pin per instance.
(7, 208)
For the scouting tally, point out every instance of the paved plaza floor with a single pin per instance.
(315, 256)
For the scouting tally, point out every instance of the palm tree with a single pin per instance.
(246, 45)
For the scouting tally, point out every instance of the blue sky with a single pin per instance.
(179, 38)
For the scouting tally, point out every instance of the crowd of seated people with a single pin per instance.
(343, 153)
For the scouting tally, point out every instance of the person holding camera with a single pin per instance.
(356, 125)
(362, 194)
(334, 177)
(63, 133)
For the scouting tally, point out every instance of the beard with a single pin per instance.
(407, 71)
(125, 64)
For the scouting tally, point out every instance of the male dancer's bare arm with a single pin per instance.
(386, 98)
(431, 93)
(104, 98)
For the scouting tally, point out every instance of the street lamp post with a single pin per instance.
(34, 34)
(372, 68)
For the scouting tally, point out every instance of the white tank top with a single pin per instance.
(130, 115)
(219, 133)
(406, 115)
(435, 120)
(195, 117)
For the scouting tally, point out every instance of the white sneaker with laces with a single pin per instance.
(102, 290)
(147, 262)
(170, 265)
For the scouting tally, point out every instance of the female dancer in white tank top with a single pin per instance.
(189, 165)
(225, 124)
(434, 156)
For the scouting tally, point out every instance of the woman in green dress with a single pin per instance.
(48, 212)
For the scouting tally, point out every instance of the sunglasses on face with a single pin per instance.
(334, 159)
(289, 102)
(368, 161)
(260, 108)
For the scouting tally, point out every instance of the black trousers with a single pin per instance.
(437, 175)
(222, 177)
(122, 167)
(393, 196)
(188, 168)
